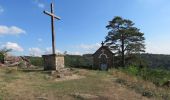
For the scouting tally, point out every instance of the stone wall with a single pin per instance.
(53, 62)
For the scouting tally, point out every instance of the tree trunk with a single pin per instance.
(123, 52)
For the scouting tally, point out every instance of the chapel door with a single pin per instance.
(103, 63)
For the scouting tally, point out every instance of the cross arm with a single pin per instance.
(50, 14)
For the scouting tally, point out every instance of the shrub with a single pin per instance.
(78, 61)
(132, 70)
(147, 94)
(157, 76)
(36, 61)
(2, 58)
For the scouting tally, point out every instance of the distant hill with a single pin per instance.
(86, 60)
(157, 60)
(151, 60)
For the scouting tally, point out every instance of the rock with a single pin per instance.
(53, 72)
(85, 96)
(58, 76)
(68, 74)
(42, 98)
(2, 65)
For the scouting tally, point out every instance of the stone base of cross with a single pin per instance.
(53, 62)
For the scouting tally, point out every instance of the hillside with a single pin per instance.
(157, 60)
(149, 60)
(88, 85)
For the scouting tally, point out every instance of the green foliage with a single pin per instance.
(123, 30)
(157, 76)
(124, 38)
(132, 70)
(1, 97)
(3, 52)
(2, 57)
(78, 61)
(147, 94)
(156, 60)
(36, 61)
(135, 60)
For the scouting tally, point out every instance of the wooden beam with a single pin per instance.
(50, 14)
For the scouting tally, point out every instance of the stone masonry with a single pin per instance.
(53, 62)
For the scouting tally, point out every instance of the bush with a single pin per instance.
(148, 94)
(132, 70)
(2, 58)
(78, 61)
(36, 61)
(157, 76)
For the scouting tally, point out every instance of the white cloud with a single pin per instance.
(39, 4)
(84, 49)
(89, 46)
(157, 48)
(49, 51)
(13, 46)
(35, 52)
(1, 10)
(39, 52)
(13, 30)
(75, 53)
(79, 50)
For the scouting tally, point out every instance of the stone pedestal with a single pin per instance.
(53, 62)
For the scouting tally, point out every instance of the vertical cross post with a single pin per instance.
(52, 26)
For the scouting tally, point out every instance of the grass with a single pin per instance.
(157, 76)
(132, 80)
(112, 85)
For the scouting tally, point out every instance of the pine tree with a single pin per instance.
(124, 38)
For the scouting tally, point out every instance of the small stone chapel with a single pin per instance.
(103, 58)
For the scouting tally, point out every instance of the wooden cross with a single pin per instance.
(53, 16)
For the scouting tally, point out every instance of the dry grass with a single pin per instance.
(90, 85)
(141, 86)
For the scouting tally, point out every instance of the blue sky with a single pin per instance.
(25, 29)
